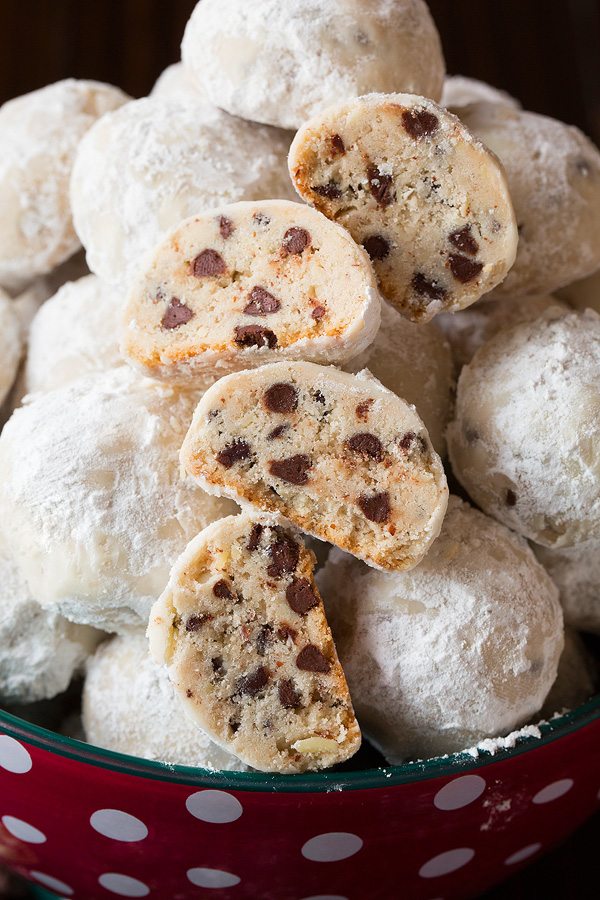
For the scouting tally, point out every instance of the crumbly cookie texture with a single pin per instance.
(425, 198)
(465, 646)
(93, 506)
(39, 134)
(129, 705)
(338, 455)
(242, 631)
(415, 363)
(246, 284)
(576, 573)
(525, 441)
(576, 679)
(73, 334)
(460, 91)
(11, 344)
(280, 63)
(553, 173)
(142, 170)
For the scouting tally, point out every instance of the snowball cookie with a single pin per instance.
(92, 501)
(415, 362)
(576, 573)
(465, 646)
(27, 304)
(73, 334)
(11, 344)
(425, 198)
(280, 63)
(153, 163)
(583, 294)
(39, 134)
(468, 329)
(242, 631)
(336, 454)
(246, 284)
(176, 83)
(553, 174)
(129, 706)
(576, 679)
(525, 441)
(460, 91)
(39, 650)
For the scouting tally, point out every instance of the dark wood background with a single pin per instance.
(545, 52)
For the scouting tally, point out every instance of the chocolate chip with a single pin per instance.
(301, 596)
(318, 312)
(189, 693)
(254, 682)
(511, 498)
(464, 241)
(284, 553)
(226, 227)
(294, 469)
(319, 397)
(208, 263)
(288, 695)
(286, 631)
(264, 636)
(262, 303)
(425, 288)
(234, 725)
(262, 218)
(254, 336)
(337, 144)
(295, 241)
(419, 122)
(221, 590)
(254, 539)
(331, 190)
(197, 621)
(233, 452)
(366, 444)
(217, 665)
(310, 659)
(362, 410)
(463, 268)
(376, 246)
(381, 186)
(281, 397)
(407, 440)
(376, 507)
(277, 432)
(176, 314)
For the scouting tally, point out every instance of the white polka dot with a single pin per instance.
(212, 878)
(123, 885)
(23, 831)
(216, 807)
(331, 847)
(554, 791)
(460, 792)
(118, 825)
(52, 883)
(13, 756)
(520, 855)
(447, 862)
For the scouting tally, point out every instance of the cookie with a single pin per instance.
(142, 170)
(280, 63)
(11, 344)
(93, 507)
(129, 706)
(553, 173)
(247, 284)
(460, 91)
(576, 679)
(583, 294)
(175, 83)
(242, 632)
(425, 198)
(466, 646)
(576, 573)
(525, 440)
(39, 134)
(338, 455)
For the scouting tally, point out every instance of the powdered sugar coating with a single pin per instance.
(130, 706)
(415, 362)
(576, 678)
(576, 573)
(39, 134)
(175, 83)
(465, 646)
(93, 504)
(460, 91)
(39, 650)
(73, 334)
(553, 173)
(11, 344)
(280, 63)
(153, 163)
(525, 442)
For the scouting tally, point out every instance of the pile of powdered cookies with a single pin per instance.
(324, 278)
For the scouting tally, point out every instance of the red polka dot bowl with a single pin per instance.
(86, 823)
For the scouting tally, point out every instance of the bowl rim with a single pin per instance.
(312, 782)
